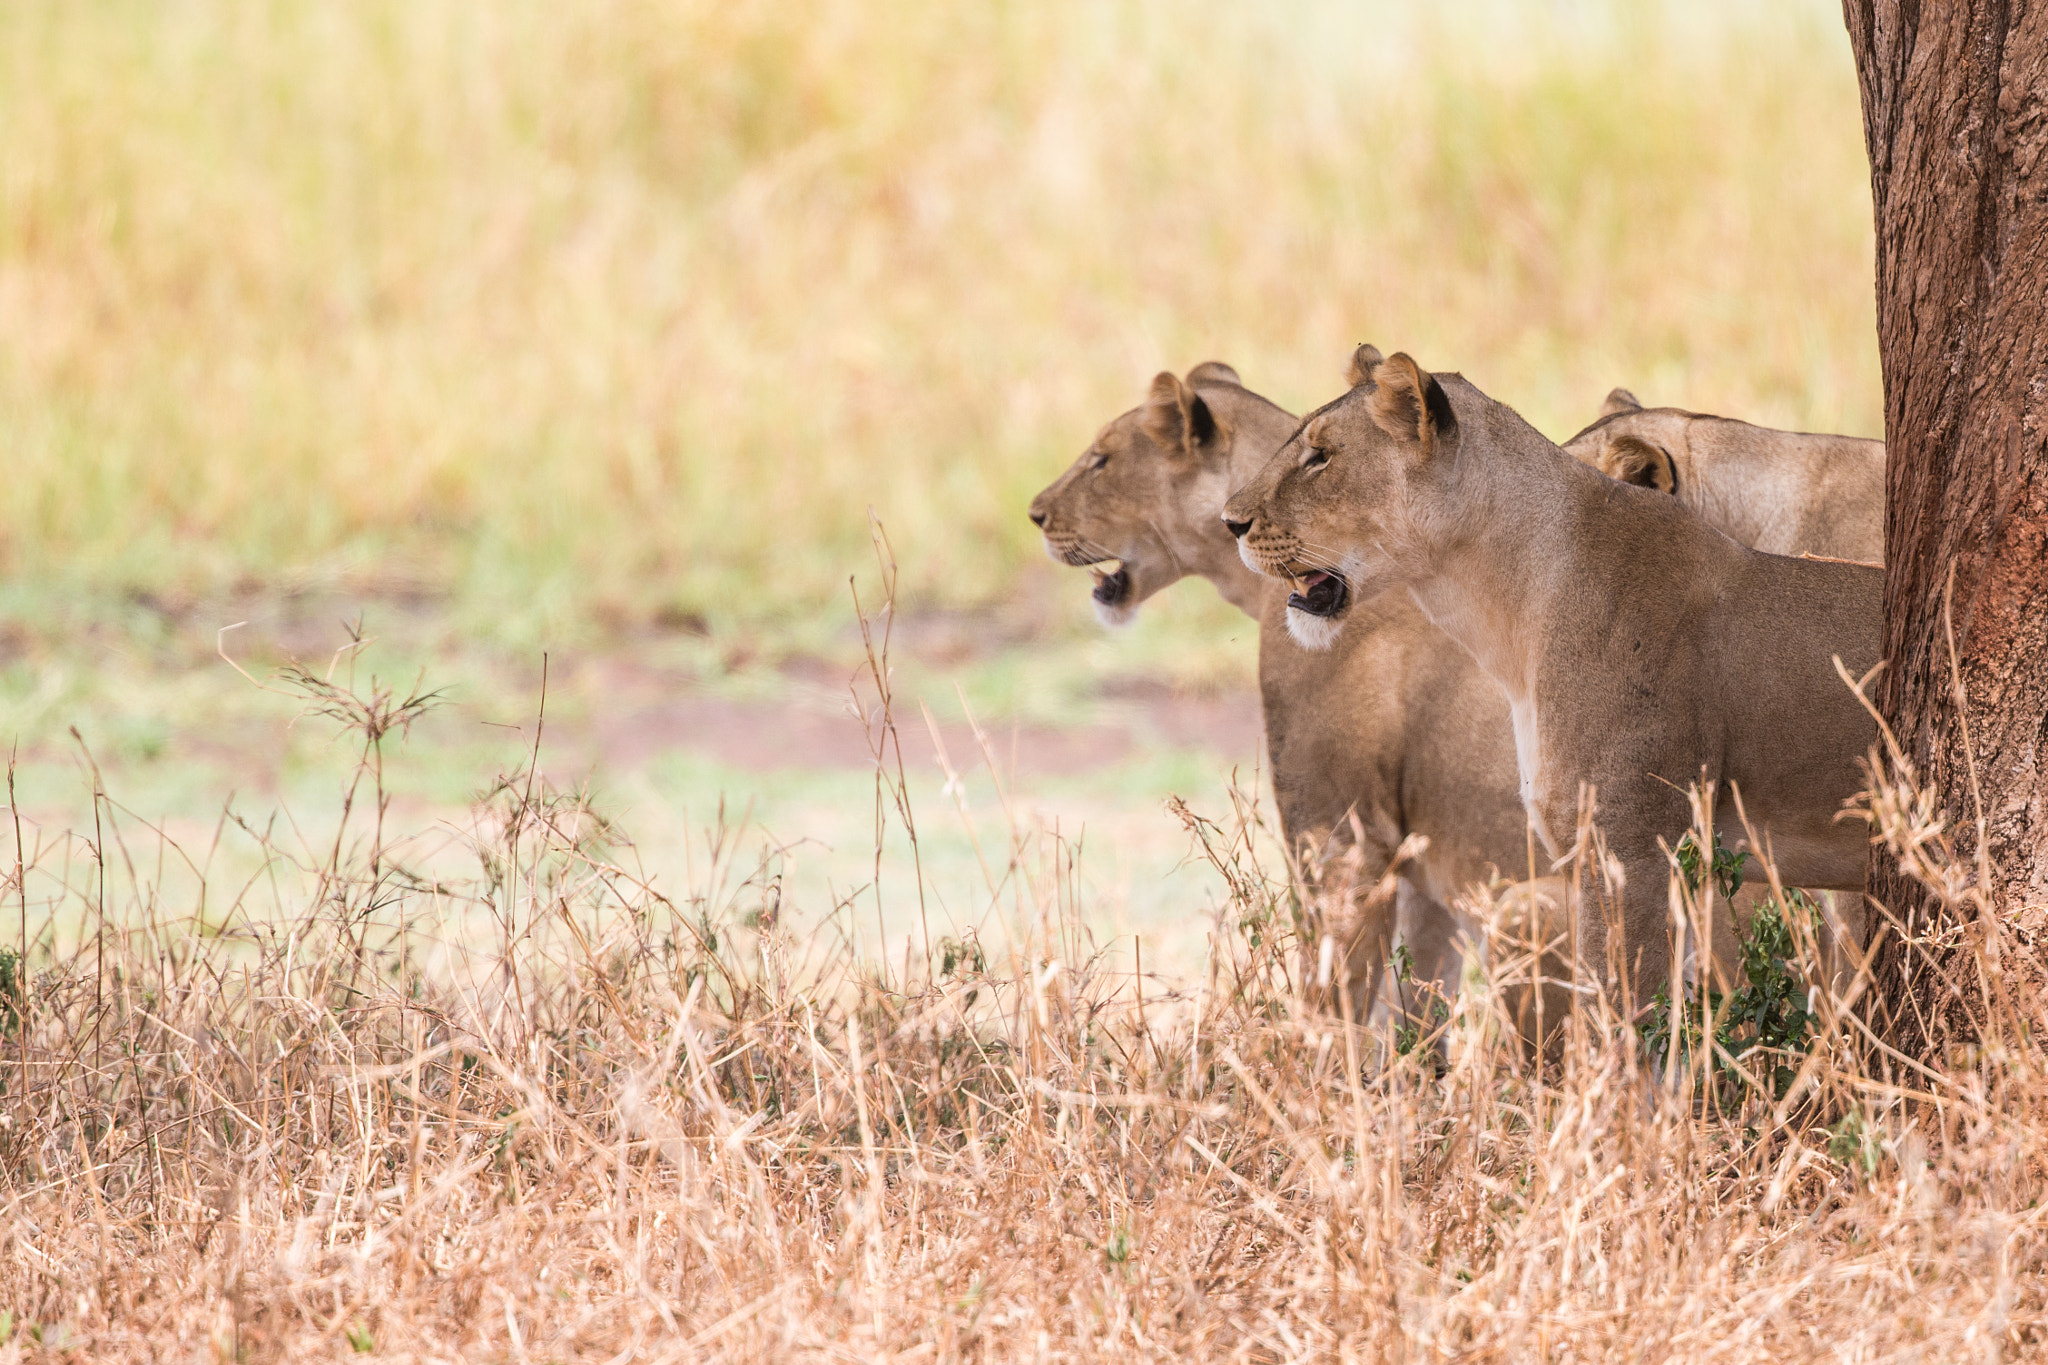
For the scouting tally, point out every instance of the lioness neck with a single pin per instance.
(1515, 527)
(1237, 584)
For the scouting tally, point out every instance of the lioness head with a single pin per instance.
(1330, 508)
(1139, 507)
(1633, 443)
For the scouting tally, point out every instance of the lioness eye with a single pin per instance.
(1100, 458)
(1316, 458)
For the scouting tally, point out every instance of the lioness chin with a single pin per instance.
(1721, 672)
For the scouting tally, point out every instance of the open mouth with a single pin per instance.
(1112, 585)
(1319, 593)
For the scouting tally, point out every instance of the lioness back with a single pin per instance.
(1782, 492)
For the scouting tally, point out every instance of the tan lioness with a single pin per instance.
(1639, 649)
(1784, 492)
(1394, 723)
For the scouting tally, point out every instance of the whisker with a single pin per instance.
(1309, 555)
(1334, 557)
(1097, 548)
(1090, 547)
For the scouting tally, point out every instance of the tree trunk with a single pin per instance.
(1955, 112)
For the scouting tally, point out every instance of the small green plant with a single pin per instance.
(13, 995)
(1406, 1036)
(1771, 1006)
(1117, 1250)
(359, 1339)
(962, 956)
(1429, 1012)
(1401, 966)
(1767, 1014)
(1726, 865)
(1414, 1027)
(1856, 1142)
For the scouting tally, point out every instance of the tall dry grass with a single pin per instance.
(305, 1113)
(620, 311)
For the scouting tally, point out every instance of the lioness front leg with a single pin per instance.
(1632, 813)
(1350, 916)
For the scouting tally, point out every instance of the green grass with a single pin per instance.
(579, 320)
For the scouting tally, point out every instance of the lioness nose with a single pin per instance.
(1038, 518)
(1237, 528)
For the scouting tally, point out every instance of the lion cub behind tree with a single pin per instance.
(1640, 650)
(1395, 724)
(1783, 492)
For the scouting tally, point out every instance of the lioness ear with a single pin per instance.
(1634, 460)
(1175, 415)
(1408, 403)
(1364, 361)
(1213, 372)
(1620, 400)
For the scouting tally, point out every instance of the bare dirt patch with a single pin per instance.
(639, 715)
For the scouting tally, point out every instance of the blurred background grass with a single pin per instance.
(573, 320)
(596, 329)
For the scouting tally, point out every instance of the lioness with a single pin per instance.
(1394, 723)
(1784, 492)
(1638, 648)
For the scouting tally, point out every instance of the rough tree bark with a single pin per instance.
(1955, 112)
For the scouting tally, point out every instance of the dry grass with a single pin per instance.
(364, 1101)
(626, 311)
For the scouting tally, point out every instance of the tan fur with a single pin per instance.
(1394, 725)
(1619, 400)
(1363, 362)
(1784, 492)
(1146, 490)
(1537, 565)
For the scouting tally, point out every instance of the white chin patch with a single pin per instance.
(1118, 616)
(1316, 633)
